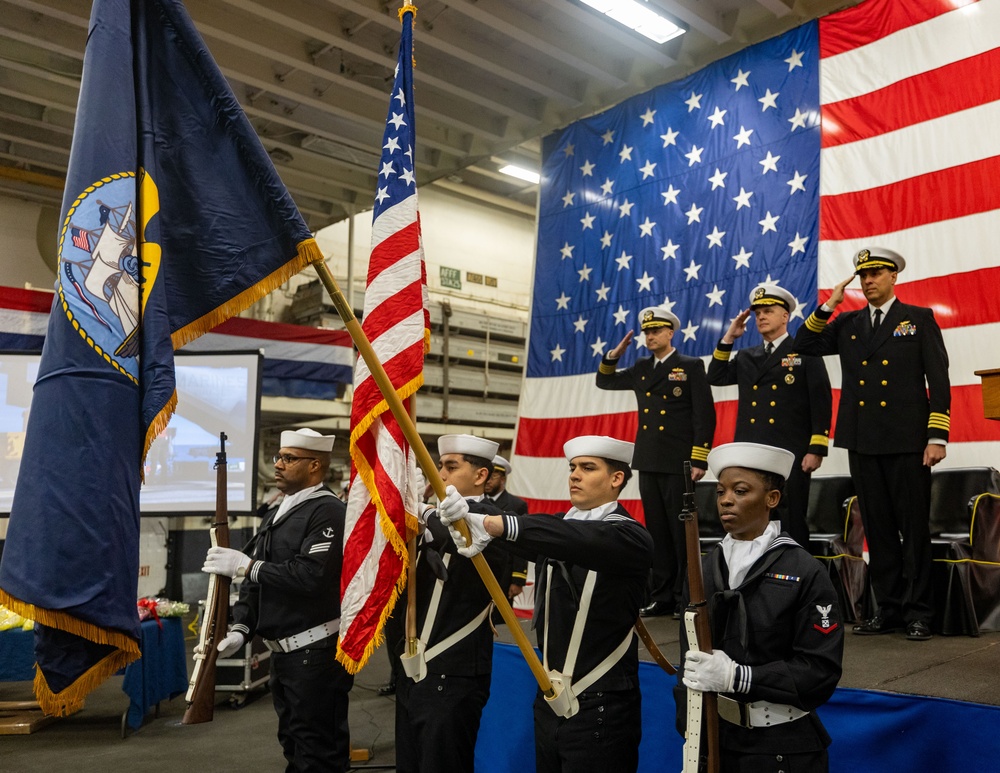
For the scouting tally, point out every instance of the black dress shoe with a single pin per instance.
(657, 609)
(918, 630)
(876, 626)
(389, 688)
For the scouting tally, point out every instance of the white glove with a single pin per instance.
(453, 507)
(229, 646)
(226, 561)
(477, 530)
(709, 673)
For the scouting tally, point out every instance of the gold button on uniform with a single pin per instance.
(753, 421)
(662, 413)
(649, 394)
(885, 362)
(772, 403)
(883, 403)
(864, 362)
(661, 429)
(774, 386)
(885, 383)
(754, 387)
(861, 403)
(645, 410)
(770, 421)
(861, 383)
(754, 403)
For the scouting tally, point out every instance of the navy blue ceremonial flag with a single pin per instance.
(686, 196)
(173, 220)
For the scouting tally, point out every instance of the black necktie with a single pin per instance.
(877, 321)
(768, 348)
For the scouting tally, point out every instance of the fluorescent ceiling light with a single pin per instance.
(521, 174)
(637, 16)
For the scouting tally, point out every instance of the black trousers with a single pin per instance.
(803, 762)
(894, 492)
(437, 721)
(663, 499)
(603, 736)
(791, 510)
(310, 692)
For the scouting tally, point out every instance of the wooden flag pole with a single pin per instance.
(427, 465)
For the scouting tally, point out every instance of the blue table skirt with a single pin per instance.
(17, 655)
(161, 672)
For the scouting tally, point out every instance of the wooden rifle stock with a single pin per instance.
(698, 605)
(201, 691)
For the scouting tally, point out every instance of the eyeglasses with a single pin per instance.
(287, 459)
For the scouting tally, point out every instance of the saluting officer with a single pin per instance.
(676, 424)
(893, 419)
(291, 598)
(593, 562)
(784, 397)
(440, 697)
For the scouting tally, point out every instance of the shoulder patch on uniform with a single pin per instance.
(825, 625)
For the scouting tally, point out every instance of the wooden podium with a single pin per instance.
(991, 392)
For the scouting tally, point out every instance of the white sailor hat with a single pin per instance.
(467, 444)
(658, 316)
(307, 438)
(771, 295)
(601, 446)
(751, 456)
(878, 257)
(502, 465)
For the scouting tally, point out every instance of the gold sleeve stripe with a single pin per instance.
(819, 440)
(607, 369)
(815, 324)
(519, 575)
(699, 453)
(945, 425)
(721, 355)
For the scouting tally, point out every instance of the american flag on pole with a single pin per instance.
(382, 501)
(692, 193)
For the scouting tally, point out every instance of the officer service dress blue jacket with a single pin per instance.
(676, 410)
(784, 398)
(620, 550)
(895, 393)
(294, 583)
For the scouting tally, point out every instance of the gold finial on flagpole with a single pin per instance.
(408, 7)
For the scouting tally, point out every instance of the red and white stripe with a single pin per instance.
(910, 94)
(279, 340)
(383, 499)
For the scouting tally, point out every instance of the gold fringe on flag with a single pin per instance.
(71, 699)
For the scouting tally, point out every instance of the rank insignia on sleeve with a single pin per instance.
(824, 625)
(678, 374)
(905, 328)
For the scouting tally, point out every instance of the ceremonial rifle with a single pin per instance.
(201, 690)
(702, 707)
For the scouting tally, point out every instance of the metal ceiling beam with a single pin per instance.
(703, 16)
(498, 18)
(324, 31)
(527, 77)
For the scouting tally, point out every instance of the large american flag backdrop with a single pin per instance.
(870, 126)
